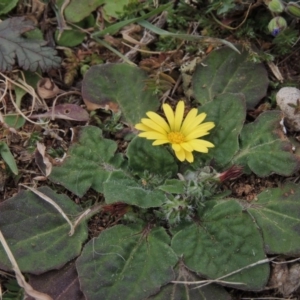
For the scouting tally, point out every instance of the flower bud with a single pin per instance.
(116, 209)
(277, 25)
(276, 6)
(232, 173)
(293, 9)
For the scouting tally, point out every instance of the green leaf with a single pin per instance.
(277, 213)
(115, 8)
(37, 233)
(126, 263)
(188, 291)
(7, 5)
(228, 112)
(132, 193)
(223, 241)
(69, 38)
(12, 290)
(264, 149)
(154, 159)
(77, 10)
(225, 71)
(30, 54)
(120, 87)
(76, 34)
(173, 186)
(15, 120)
(8, 158)
(89, 163)
(35, 34)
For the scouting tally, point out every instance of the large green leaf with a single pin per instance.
(277, 213)
(264, 149)
(126, 263)
(226, 71)
(120, 87)
(225, 240)
(130, 192)
(228, 112)
(89, 163)
(153, 159)
(37, 233)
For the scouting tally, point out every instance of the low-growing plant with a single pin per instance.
(178, 224)
(13, 290)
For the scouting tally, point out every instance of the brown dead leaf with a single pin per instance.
(47, 88)
(105, 104)
(37, 8)
(150, 63)
(42, 160)
(279, 275)
(292, 281)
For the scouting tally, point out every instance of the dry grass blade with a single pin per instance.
(87, 214)
(19, 276)
(28, 89)
(41, 148)
(219, 280)
(81, 217)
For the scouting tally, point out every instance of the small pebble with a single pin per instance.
(288, 99)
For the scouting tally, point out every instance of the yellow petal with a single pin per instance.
(206, 143)
(187, 147)
(199, 146)
(196, 135)
(180, 154)
(189, 156)
(158, 120)
(176, 147)
(189, 120)
(160, 142)
(178, 115)
(198, 120)
(152, 135)
(142, 127)
(200, 130)
(169, 115)
(205, 126)
(153, 126)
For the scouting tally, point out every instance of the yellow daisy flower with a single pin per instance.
(183, 135)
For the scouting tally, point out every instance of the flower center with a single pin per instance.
(176, 137)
